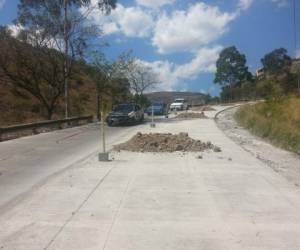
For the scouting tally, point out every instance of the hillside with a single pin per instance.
(16, 108)
(168, 97)
(32, 87)
(276, 121)
(19, 105)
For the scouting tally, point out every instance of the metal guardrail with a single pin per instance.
(16, 131)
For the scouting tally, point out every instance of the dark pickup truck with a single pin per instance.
(126, 113)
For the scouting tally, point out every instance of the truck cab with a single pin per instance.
(179, 104)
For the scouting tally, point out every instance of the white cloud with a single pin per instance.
(281, 3)
(110, 28)
(2, 2)
(154, 3)
(245, 4)
(131, 21)
(204, 62)
(189, 30)
(171, 75)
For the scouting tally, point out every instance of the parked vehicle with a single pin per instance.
(159, 108)
(126, 113)
(179, 104)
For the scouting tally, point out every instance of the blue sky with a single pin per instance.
(181, 40)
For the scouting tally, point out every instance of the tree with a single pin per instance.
(109, 78)
(231, 68)
(37, 71)
(276, 61)
(63, 26)
(141, 78)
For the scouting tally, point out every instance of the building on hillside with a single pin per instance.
(260, 73)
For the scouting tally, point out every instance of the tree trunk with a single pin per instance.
(49, 113)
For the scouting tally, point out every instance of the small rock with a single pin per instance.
(183, 134)
(217, 149)
(179, 147)
(199, 157)
(229, 159)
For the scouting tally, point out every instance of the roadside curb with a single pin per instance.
(224, 110)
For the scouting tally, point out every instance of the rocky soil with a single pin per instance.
(165, 142)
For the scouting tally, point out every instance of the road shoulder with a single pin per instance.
(281, 161)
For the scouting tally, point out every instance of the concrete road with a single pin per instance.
(26, 163)
(144, 201)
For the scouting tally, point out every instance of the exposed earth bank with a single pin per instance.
(283, 162)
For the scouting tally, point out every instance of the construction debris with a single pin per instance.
(192, 115)
(165, 142)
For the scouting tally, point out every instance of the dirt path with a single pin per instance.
(283, 162)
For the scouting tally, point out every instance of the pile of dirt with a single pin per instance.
(203, 108)
(165, 142)
(188, 115)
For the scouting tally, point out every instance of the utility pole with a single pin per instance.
(66, 41)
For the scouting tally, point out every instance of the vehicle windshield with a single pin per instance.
(179, 100)
(157, 104)
(124, 108)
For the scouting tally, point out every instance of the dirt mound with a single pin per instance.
(191, 115)
(203, 108)
(162, 142)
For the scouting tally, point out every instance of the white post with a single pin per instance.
(103, 132)
(152, 119)
(103, 156)
(152, 114)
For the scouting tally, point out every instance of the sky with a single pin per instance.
(181, 39)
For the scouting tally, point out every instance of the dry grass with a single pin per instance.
(277, 121)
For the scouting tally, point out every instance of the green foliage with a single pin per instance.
(279, 77)
(231, 68)
(59, 23)
(275, 61)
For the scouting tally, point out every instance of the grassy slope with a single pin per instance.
(278, 122)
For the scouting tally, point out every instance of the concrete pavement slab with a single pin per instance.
(145, 201)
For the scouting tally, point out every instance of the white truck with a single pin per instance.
(179, 104)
